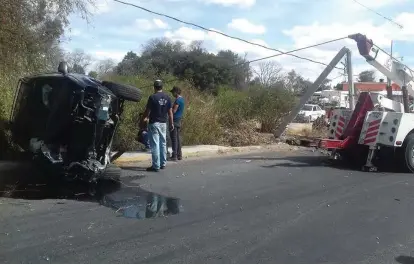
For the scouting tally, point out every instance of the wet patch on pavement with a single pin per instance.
(141, 204)
(128, 199)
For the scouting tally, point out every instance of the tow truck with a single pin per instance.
(376, 128)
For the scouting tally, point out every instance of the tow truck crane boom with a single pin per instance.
(402, 75)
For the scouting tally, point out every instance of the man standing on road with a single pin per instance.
(158, 110)
(178, 111)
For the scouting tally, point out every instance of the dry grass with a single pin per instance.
(304, 130)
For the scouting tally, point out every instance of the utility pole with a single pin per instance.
(389, 86)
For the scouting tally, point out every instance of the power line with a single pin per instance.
(215, 31)
(267, 57)
(384, 17)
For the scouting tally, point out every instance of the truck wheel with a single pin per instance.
(126, 92)
(408, 149)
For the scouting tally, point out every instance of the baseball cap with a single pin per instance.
(157, 83)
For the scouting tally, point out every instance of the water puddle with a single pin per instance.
(140, 204)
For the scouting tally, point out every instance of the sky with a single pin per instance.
(115, 29)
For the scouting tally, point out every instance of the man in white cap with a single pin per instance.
(158, 110)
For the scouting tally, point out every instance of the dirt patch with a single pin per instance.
(246, 135)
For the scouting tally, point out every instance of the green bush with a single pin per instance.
(7, 88)
(269, 106)
(234, 107)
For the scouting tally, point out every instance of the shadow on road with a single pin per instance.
(24, 181)
(302, 161)
(405, 259)
(21, 180)
(134, 168)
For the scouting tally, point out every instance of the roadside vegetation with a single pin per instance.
(229, 101)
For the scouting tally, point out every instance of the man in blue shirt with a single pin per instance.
(158, 110)
(178, 111)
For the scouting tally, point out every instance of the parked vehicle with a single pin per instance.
(310, 113)
(66, 123)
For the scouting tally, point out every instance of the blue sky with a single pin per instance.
(283, 24)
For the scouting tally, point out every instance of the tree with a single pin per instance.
(93, 74)
(128, 65)
(206, 70)
(366, 76)
(339, 86)
(296, 83)
(79, 59)
(31, 29)
(326, 85)
(268, 73)
(105, 66)
(78, 69)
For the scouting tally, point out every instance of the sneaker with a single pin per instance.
(179, 158)
(162, 167)
(152, 169)
(172, 159)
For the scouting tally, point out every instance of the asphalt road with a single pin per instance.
(266, 208)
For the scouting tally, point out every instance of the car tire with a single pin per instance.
(126, 92)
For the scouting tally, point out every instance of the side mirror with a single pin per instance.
(63, 68)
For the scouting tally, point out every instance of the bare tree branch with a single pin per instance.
(268, 73)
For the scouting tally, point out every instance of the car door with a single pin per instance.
(320, 111)
(314, 113)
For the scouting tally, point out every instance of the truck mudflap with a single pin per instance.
(334, 144)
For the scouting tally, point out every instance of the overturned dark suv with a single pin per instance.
(67, 122)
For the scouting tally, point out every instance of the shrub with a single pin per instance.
(234, 107)
(7, 88)
(269, 106)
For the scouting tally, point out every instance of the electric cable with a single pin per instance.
(217, 32)
(384, 17)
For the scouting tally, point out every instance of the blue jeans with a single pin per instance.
(158, 141)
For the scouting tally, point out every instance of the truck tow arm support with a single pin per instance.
(310, 91)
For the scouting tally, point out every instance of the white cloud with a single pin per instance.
(144, 24)
(147, 25)
(160, 24)
(186, 35)
(108, 54)
(219, 42)
(381, 35)
(305, 35)
(243, 25)
(240, 3)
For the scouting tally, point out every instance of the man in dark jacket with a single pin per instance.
(157, 110)
(178, 112)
